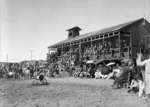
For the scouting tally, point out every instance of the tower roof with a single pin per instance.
(74, 28)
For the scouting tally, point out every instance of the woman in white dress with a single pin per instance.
(146, 64)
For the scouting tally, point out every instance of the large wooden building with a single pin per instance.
(136, 33)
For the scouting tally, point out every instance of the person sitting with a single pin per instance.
(124, 44)
(115, 72)
(98, 72)
(78, 70)
(138, 75)
(134, 85)
(123, 76)
(83, 73)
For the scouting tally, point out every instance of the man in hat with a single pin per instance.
(145, 63)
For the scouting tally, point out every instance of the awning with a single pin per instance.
(90, 62)
(101, 61)
(111, 63)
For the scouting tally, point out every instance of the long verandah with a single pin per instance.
(111, 45)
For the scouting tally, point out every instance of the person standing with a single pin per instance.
(145, 63)
(72, 68)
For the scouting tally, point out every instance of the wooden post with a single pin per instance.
(62, 50)
(91, 43)
(103, 48)
(130, 48)
(91, 57)
(70, 51)
(119, 41)
(79, 51)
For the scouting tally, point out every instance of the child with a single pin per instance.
(134, 86)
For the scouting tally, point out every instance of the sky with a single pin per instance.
(27, 25)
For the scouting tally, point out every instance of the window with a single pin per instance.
(122, 32)
(106, 35)
(97, 37)
(116, 33)
(85, 40)
(93, 38)
(111, 34)
(70, 34)
(127, 33)
(89, 39)
(101, 36)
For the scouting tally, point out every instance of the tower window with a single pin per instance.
(70, 33)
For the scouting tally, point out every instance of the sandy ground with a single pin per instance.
(66, 92)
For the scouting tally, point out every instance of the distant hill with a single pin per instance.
(5, 63)
(26, 61)
(35, 61)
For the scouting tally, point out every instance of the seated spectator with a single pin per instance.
(124, 43)
(114, 72)
(78, 70)
(84, 73)
(137, 75)
(98, 72)
(134, 86)
(123, 75)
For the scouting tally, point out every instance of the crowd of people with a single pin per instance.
(128, 74)
(20, 71)
(96, 51)
(100, 50)
(135, 75)
(125, 73)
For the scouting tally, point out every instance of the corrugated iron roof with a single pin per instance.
(98, 32)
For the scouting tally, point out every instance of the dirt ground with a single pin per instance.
(66, 92)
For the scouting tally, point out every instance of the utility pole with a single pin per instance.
(31, 54)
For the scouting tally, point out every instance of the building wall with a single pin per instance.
(137, 30)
